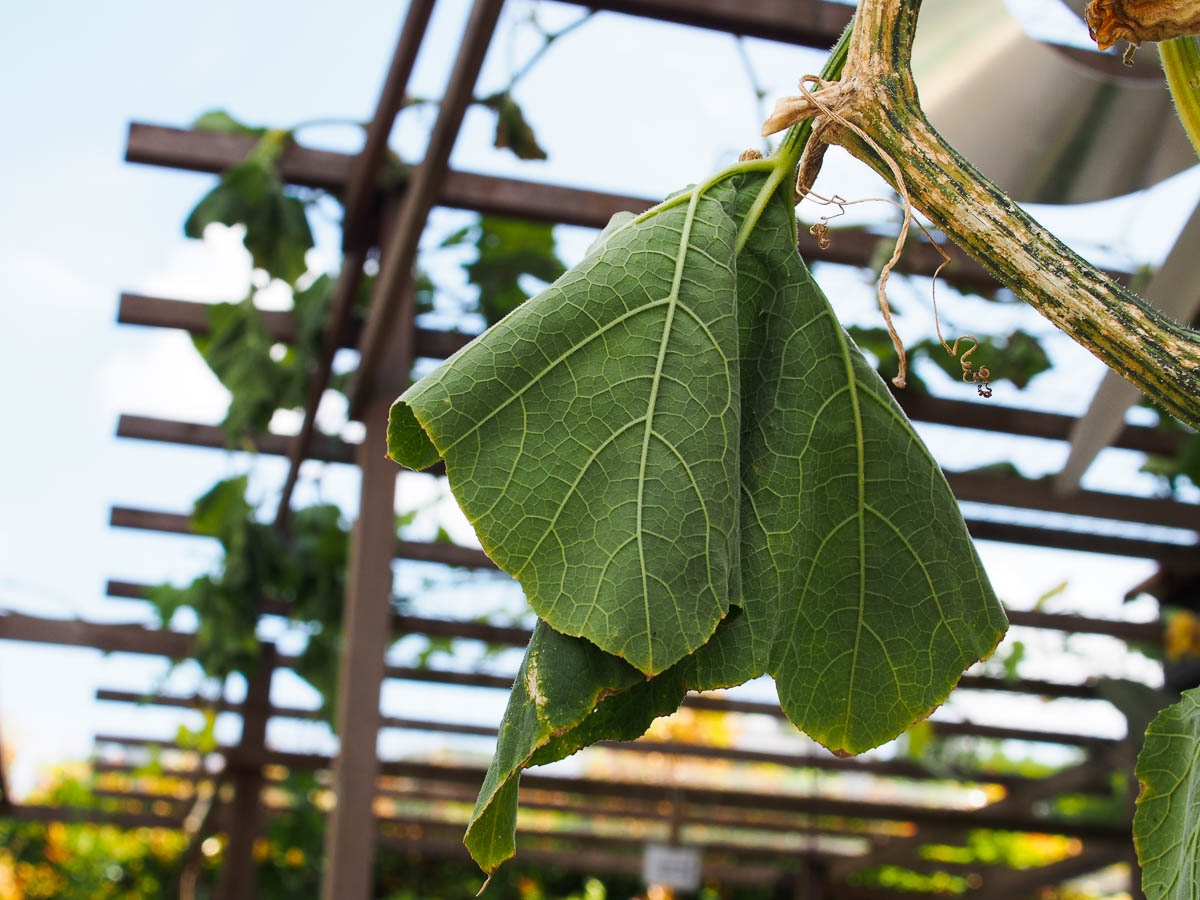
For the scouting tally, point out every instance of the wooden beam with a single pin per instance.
(1018, 883)
(138, 309)
(239, 875)
(137, 639)
(356, 235)
(391, 301)
(26, 812)
(350, 838)
(429, 773)
(535, 201)
(1007, 491)
(980, 529)
(811, 23)
(884, 768)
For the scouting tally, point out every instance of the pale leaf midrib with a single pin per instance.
(673, 300)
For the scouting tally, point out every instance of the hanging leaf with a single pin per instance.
(645, 464)
(505, 251)
(251, 193)
(238, 350)
(512, 129)
(1166, 827)
(220, 121)
(306, 573)
(591, 438)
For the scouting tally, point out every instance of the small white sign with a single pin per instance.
(673, 867)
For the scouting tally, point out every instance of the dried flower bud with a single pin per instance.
(750, 154)
(1135, 21)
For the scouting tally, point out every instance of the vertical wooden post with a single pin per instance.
(239, 877)
(809, 882)
(350, 838)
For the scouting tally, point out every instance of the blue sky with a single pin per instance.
(637, 107)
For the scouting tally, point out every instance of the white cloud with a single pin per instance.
(167, 378)
(213, 269)
(36, 280)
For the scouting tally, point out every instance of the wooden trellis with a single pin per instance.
(388, 342)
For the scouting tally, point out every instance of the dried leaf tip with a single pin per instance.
(1135, 21)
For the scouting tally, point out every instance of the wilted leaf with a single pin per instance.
(1166, 827)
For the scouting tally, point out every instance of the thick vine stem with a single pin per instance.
(878, 94)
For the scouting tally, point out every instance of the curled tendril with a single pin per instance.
(981, 376)
(820, 229)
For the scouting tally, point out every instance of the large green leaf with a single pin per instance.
(1166, 827)
(862, 590)
(592, 437)
(863, 593)
(859, 587)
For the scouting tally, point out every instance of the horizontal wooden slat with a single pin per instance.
(898, 768)
(138, 309)
(210, 152)
(980, 529)
(998, 490)
(729, 798)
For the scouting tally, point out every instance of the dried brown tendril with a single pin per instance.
(820, 230)
(901, 378)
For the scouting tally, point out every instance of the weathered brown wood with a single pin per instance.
(239, 875)
(998, 490)
(704, 796)
(897, 768)
(197, 823)
(356, 235)
(980, 529)
(535, 201)
(136, 639)
(1005, 885)
(345, 292)
(107, 637)
(138, 309)
(812, 23)
(1082, 541)
(391, 300)
(364, 173)
(350, 838)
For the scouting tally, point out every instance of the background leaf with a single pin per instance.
(220, 121)
(252, 194)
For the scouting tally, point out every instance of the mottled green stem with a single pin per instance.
(1181, 63)
(1156, 354)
